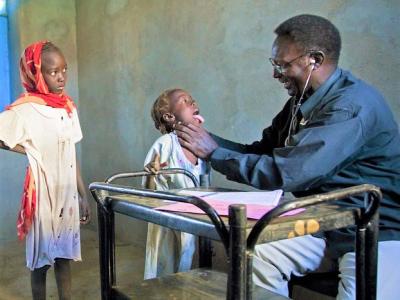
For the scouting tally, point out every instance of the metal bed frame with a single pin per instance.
(238, 245)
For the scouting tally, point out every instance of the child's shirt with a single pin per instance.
(167, 250)
(49, 136)
(170, 151)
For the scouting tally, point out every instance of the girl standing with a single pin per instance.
(43, 124)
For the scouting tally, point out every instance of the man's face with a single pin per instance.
(184, 108)
(294, 65)
(54, 71)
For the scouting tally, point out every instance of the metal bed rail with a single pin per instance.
(366, 235)
(239, 248)
(106, 220)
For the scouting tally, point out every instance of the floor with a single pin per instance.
(15, 277)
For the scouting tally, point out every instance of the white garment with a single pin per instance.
(274, 263)
(388, 276)
(167, 250)
(49, 136)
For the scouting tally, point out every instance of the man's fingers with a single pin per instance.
(186, 136)
(187, 128)
(185, 144)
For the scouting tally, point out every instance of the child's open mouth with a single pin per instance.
(198, 117)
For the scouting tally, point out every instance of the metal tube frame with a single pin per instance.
(240, 252)
(366, 235)
(100, 192)
(111, 215)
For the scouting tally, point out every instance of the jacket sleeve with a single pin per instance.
(318, 149)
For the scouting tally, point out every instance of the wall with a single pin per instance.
(129, 51)
(30, 21)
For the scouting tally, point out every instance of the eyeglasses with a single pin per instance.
(283, 68)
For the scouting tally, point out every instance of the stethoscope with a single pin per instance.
(296, 106)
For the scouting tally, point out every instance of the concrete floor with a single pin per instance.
(15, 277)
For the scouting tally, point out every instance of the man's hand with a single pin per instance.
(196, 139)
(84, 211)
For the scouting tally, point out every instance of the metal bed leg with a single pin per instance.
(103, 253)
(371, 257)
(367, 251)
(111, 232)
(360, 263)
(205, 253)
(205, 245)
(236, 288)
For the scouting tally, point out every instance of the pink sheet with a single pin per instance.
(254, 211)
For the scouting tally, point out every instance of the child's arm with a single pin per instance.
(19, 149)
(83, 202)
(153, 167)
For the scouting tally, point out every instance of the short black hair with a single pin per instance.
(312, 33)
(50, 47)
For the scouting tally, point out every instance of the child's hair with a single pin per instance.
(50, 47)
(160, 107)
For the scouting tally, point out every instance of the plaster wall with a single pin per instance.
(130, 51)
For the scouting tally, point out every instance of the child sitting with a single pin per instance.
(169, 251)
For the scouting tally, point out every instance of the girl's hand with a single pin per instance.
(84, 211)
(154, 166)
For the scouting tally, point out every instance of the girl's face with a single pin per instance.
(54, 70)
(184, 108)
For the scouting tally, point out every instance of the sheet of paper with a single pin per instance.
(256, 204)
(263, 198)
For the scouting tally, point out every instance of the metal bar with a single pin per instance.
(161, 172)
(371, 257)
(204, 206)
(205, 252)
(103, 254)
(314, 200)
(369, 213)
(111, 228)
(111, 244)
(205, 245)
(236, 288)
(360, 263)
(249, 274)
(171, 220)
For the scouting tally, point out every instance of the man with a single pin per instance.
(334, 132)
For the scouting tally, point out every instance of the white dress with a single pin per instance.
(167, 250)
(49, 136)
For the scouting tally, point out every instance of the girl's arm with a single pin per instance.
(18, 149)
(83, 202)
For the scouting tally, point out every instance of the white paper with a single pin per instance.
(270, 198)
